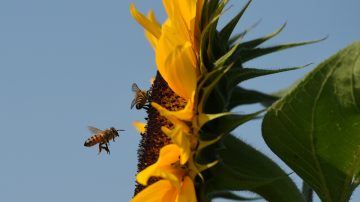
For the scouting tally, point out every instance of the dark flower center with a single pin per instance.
(154, 139)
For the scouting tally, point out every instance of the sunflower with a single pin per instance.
(176, 45)
(199, 69)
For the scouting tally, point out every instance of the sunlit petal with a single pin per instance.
(185, 114)
(169, 154)
(177, 65)
(152, 79)
(182, 13)
(151, 26)
(151, 38)
(187, 192)
(143, 176)
(199, 6)
(140, 126)
(161, 190)
(180, 138)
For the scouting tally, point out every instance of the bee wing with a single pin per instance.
(94, 130)
(133, 103)
(135, 87)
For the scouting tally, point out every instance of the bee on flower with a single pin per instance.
(141, 97)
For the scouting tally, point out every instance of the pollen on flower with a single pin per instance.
(154, 139)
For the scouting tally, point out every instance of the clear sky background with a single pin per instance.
(68, 64)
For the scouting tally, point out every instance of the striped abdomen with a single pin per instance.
(141, 98)
(95, 139)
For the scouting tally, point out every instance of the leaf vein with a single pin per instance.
(323, 181)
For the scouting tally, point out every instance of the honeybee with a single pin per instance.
(102, 137)
(141, 97)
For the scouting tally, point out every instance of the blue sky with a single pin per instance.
(66, 64)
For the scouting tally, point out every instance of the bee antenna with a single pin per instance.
(120, 130)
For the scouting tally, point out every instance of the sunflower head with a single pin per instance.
(200, 70)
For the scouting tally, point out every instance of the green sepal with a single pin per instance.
(315, 128)
(209, 36)
(208, 10)
(204, 143)
(218, 101)
(223, 60)
(256, 42)
(245, 54)
(225, 124)
(207, 85)
(242, 96)
(239, 36)
(219, 126)
(237, 75)
(226, 32)
(244, 168)
(204, 118)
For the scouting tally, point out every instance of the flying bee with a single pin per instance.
(102, 137)
(141, 97)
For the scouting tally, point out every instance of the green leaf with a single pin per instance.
(244, 168)
(307, 192)
(315, 128)
(283, 92)
(231, 196)
(242, 96)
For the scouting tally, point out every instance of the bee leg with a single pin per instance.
(106, 148)
(100, 147)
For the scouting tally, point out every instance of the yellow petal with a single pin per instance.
(185, 114)
(151, 26)
(181, 139)
(140, 126)
(160, 191)
(164, 191)
(152, 79)
(175, 117)
(143, 176)
(197, 33)
(177, 63)
(151, 38)
(171, 195)
(187, 192)
(199, 6)
(181, 12)
(169, 154)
